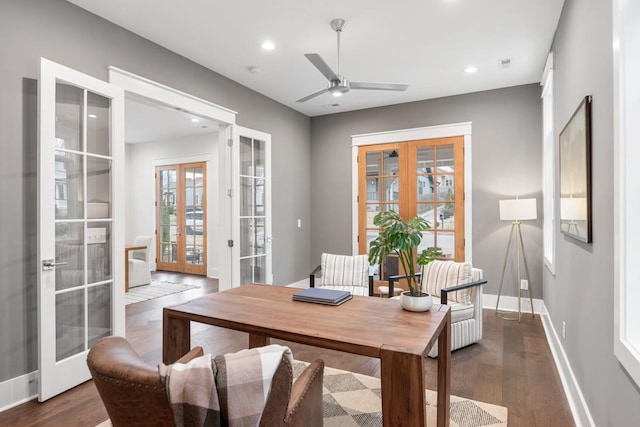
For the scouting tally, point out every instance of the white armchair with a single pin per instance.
(344, 273)
(459, 285)
(139, 272)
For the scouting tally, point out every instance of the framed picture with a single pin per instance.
(575, 174)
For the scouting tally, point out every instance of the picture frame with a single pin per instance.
(575, 174)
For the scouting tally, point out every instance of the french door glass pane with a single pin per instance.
(99, 251)
(70, 323)
(259, 157)
(373, 163)
(390, 162)
(444, 155)
(99, 301)
(69, 117)
(69, 255)
(246, 154)
(98, 124)
(69, 188)
(252, 270)
(247, 196)
(424, 160)
(391, 190)
(98, 187)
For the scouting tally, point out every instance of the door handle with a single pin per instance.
(50, 264)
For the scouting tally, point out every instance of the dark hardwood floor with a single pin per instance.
(512, 366)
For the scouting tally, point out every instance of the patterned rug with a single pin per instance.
(354, 400)
(155, 290)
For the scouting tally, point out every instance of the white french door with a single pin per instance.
(80, 222)
(251, 208)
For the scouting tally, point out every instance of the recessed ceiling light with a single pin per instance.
(93, 116)
(471, 69)
(268, 45)
(194, 120)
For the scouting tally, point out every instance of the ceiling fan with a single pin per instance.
(337, 83)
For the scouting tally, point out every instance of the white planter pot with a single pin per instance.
(410, 303)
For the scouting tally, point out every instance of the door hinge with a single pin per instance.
(358, 238)
(230, 243)
(230, 142)
(357, 199)
(229, 193)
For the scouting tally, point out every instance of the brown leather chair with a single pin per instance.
(133, 394)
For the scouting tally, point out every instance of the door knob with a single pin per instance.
(50, 264)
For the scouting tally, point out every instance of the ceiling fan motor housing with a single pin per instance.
(341, 86)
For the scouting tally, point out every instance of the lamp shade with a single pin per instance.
(573, 208)
(518, 209)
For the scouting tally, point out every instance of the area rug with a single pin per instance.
(351, 399)
(155, 289)
(354, 400)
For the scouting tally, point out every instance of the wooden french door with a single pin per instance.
(422, 177)
(181, 210)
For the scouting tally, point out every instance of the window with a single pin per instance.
(548, 166)
(626, 195)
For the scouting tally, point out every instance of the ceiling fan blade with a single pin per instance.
(322, 66)
(378, 86)
(313, 95)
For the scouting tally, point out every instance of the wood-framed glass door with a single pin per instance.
(421, 177)
(181, 218)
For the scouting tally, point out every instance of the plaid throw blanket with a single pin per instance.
(228, 390)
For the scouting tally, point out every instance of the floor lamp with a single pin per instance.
(516, 210)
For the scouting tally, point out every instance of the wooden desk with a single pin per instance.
(127, 249)
(374, 327)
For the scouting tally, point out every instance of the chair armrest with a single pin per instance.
(396, 278)
(312, 277)
(445, 291)
(305, 404)
(192, 354)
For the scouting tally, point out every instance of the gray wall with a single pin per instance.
(71, 36)
(581, 293)
(506, 162)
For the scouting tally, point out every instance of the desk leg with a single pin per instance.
(402, 381)
(444, 372)
(176, 337)
(258, 341)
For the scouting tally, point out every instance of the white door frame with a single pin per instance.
(429, 132)
(226, 118)
(58, 376)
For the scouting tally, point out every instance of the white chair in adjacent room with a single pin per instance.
(139, 272)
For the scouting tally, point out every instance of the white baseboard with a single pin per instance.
(19, 390)
(299, 284)
(579, 409)
(214, 273)
(508, 303)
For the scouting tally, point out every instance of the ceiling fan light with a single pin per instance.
(336, 93)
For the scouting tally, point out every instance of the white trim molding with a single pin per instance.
(18, 390)
(144, 87)
(626, 129)
(577, 403)
(429, 132)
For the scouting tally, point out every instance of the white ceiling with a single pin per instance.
(149, 121)
(426, 44)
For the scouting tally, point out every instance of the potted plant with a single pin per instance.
(402, 237)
